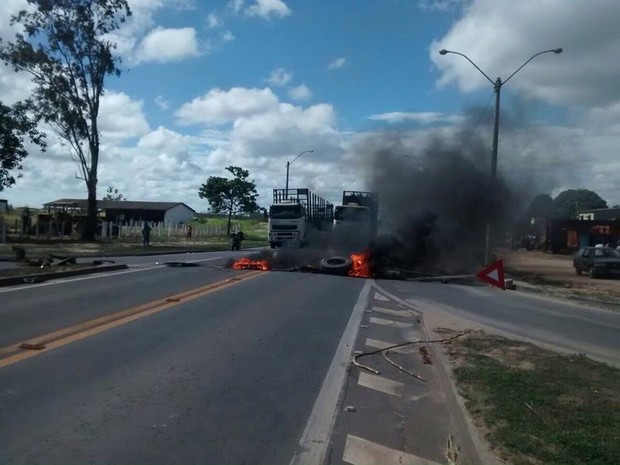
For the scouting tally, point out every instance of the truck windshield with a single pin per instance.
(285, 211)
(353, 214)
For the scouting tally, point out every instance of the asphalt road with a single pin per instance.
(561, 324)
(230, 377)
(226, 375)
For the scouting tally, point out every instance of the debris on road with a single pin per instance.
(30, 346)
(426, 357)
(178, 264)
(395, 346)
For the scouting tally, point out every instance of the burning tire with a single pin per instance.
(338, 265)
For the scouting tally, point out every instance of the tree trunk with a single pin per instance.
(90, 226)
(92, 219)
(229, 220)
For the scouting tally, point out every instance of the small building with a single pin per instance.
(601, 214)
(126, 211)
(570, 235)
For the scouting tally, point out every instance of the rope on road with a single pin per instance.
(386, 349)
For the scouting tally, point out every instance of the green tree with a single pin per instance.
(569, 203)
(113, 194)
(541, 207)
(236, 195)
(66, 50)
(15, 127)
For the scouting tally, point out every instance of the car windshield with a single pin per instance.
(285, 211)
(606, 253)
(354, 214)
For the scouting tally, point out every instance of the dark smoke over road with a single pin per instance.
(435, 202)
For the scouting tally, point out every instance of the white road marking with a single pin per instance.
(315, 438)
(84, 278)
(358, 451)
(376, 344)
(381, 297)
(384, 322)
(379, 383)
(387, 311)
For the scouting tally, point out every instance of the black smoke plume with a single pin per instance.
(434, 202)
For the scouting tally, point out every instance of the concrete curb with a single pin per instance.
(473, 448)
(39, 277)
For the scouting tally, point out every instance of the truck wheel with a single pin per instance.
(340, 265)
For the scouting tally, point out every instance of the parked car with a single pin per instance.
(597, 261)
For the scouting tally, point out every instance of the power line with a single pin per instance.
(471, 133)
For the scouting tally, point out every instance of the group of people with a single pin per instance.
(237, 237)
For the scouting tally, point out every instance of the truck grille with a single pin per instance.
(284, 227)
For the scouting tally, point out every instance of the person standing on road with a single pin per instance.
(188, 235)
(146, 234)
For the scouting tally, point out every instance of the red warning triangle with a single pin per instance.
(493, 274)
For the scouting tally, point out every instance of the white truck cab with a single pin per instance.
(287, 224)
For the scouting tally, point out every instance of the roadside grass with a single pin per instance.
(255, 231)
(41, 249)
(537, 406)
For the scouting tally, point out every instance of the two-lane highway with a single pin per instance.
(228, 377)
(209, 365)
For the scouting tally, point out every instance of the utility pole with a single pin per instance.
(497, 87)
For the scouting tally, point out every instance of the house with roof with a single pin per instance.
(125, 211)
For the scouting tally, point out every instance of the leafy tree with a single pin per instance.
(237, 195)
(569, 203)
(15, 127)
(541, 207)
(66, 50)
(113, 194)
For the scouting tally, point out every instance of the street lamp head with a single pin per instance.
(557, 51)
(443, 51)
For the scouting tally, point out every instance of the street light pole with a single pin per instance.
(288, 164)
(497, 87)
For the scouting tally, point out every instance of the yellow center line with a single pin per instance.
(50, 341)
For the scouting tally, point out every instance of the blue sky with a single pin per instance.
(255, 82)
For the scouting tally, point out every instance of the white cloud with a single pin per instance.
(337, 63)
(235, 5)
(279, 77)
(220, 106)
(121, 117)
(162, 103)
(301, 92)
(268, 9)
(228, 36)
(500, 35)
(167, 45)
(425, 117)
(213, 21)
(440, 5)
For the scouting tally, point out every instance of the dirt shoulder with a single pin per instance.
(555, 275)
(535, 406)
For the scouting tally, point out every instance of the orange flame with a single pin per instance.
(248, 264)
(361, 265)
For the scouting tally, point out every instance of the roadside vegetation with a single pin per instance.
(211, 238)
(537, 406)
